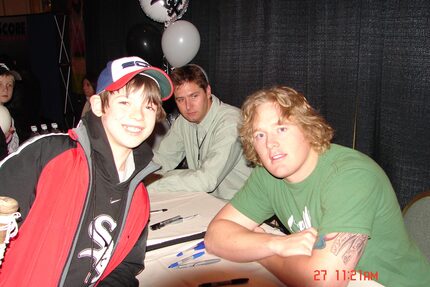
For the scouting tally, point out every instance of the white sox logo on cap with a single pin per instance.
(136, 63)
(119, 72)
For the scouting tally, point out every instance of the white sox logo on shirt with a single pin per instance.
(301, 224)
(102, 237)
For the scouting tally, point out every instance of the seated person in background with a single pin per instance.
(85, 211)
(206, 135)
(89, 83)
(24, 105)
(7, 83)
(337, 203)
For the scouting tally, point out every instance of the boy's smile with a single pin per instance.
(128, 120)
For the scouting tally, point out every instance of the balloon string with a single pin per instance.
(9, 225)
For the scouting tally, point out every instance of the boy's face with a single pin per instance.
(6, 88)
(128, 120)
(282, 147)
(193, 102)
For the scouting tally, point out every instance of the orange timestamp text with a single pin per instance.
(342, 275)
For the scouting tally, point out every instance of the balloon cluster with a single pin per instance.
(143, 40)
(178, 43)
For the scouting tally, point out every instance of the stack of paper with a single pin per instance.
(183, 204)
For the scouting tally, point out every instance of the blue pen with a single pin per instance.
(185, 260)
(199, 246)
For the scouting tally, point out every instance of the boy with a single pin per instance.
(338, 204)
(7, 83)
(85, 211)
(206, 135)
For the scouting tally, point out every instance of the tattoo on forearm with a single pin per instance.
(349, 245)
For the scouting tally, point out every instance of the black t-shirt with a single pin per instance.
(99, 232)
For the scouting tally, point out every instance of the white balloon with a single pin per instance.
(180, 43)
(164, 11)
(5, 119)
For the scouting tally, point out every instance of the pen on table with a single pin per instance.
(186, 259)
(237, 281)
(199, 263)
(175, 219)
(155, 211)
(199, 246)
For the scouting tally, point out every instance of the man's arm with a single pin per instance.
(171, 150)
(298, 259)
(231, 235)
(334, 257)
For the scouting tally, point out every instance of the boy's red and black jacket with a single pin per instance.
(51, 178)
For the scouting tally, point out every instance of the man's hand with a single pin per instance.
(333, 251)
(234, 236)
(300, 243)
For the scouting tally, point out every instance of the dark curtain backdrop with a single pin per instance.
(363, 64)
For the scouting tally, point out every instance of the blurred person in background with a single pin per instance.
(89, 83)
(24, 105)
(7, 83)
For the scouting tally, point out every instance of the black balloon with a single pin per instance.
(144, 40)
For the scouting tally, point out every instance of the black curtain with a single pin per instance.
(363, 64)
(107, 23)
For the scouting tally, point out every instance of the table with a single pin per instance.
(157, 273)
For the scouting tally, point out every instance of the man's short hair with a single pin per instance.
(190, 73)
(293, 107)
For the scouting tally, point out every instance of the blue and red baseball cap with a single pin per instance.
(120, 71)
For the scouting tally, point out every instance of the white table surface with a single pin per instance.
(157, 273)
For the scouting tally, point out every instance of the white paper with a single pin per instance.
(184, 204)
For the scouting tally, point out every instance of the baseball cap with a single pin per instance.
(5, 69)
(120, 71)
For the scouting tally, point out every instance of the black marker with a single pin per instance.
(155, 211)
(175, 219)
(227, 282)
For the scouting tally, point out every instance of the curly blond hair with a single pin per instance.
(293, 107)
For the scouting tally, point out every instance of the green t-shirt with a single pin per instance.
(347, 192)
